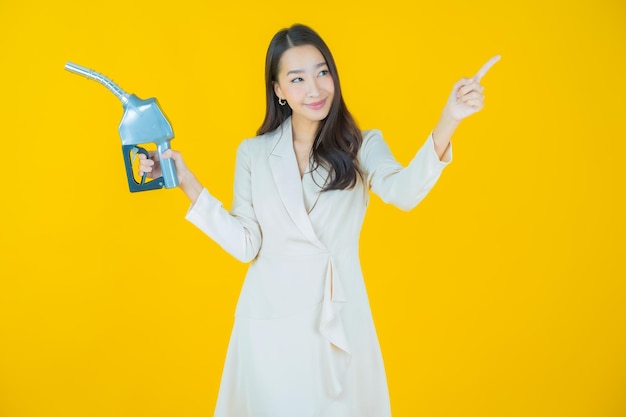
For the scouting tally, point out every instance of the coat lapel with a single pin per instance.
(312, 184)
(287, 178)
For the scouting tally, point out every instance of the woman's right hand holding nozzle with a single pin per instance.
(152, 166)
(149, 166)
(186, 180)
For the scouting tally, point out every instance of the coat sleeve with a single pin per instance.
(238, 231)
(404, 187)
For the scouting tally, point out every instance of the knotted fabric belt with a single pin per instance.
(331, 327)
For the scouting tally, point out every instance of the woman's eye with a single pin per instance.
(297, 80)
(323, 72)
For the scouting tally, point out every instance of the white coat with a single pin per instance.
(303, 342)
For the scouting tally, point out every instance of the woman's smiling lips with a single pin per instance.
(317, 105)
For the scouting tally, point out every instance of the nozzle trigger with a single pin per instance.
(130, 153)
(133, 154)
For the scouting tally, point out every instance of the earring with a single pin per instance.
(282, 101)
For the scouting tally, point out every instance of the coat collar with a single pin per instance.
(282, 161)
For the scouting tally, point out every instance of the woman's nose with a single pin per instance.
(313, 88)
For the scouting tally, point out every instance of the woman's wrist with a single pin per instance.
(442, 134)
(190, 185)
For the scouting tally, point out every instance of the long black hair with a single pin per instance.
(338, 137)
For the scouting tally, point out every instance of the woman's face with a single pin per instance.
(306, 84)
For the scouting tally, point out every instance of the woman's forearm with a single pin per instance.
(442, 134)
(191, 186)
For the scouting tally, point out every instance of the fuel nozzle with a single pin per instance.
(143, 122)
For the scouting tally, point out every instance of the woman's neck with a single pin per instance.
(304, 131)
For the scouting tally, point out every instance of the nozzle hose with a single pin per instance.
(92, 75)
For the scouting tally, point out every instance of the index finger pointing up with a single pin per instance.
(481, 72)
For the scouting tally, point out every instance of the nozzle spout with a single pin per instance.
(92, 75)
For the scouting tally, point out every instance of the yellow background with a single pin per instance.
(502, 294)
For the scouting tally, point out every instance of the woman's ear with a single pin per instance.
(277, 90)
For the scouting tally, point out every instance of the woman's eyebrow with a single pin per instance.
(300, 71)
